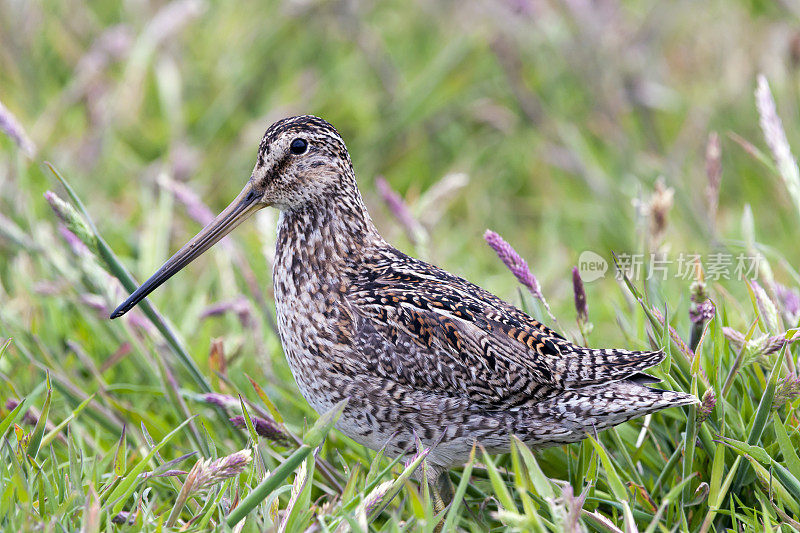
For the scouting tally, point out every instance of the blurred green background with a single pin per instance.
(548, 122)
(563, 125)
(559, 113)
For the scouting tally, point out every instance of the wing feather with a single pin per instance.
(426, 327)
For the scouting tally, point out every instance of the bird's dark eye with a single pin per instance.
(298, 146)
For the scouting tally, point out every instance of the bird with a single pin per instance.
(420, 355)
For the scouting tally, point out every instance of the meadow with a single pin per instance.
(637, 155)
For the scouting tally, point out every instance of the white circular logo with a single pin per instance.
(591, 266)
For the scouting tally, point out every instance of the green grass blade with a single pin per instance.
(671, 496)
(268, 484)
(276, 415)
(690, 437)
(4, 347)
(202, 524)
(127, 484)
(762, 412)
(614, 481)
(52, 434)
(11, 418)
(311, 440)
(38, 432)
(786, 446)
(121, 273)
(541, 483)
(717, 467)
(251, 430)
(498, 484)
(452, 513)
(298, 506)
(121, 456)
(394, 489)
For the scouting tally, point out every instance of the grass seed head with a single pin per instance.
(660, 205)
(581, 307)
(514, 262)
(222, 400)
(706, 406)
(766, 308)
(375, 497)
(71, 219)
(269, 429)
(398, 208)
(207, 473)
(760, 347)
(775, 136)
(701, 309)
(789, 302)
(11, 127)
(787, 391)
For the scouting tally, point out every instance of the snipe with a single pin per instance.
(416, 350)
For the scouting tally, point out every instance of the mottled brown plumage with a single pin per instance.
(417, 351)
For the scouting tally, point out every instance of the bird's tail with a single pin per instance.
(581, 367)
(572, 414)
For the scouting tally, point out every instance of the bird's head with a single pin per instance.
(301, 161)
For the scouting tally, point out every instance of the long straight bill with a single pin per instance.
(240, 209)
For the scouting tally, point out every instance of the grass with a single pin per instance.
(564, 129)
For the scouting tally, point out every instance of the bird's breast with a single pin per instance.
(312, 316)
